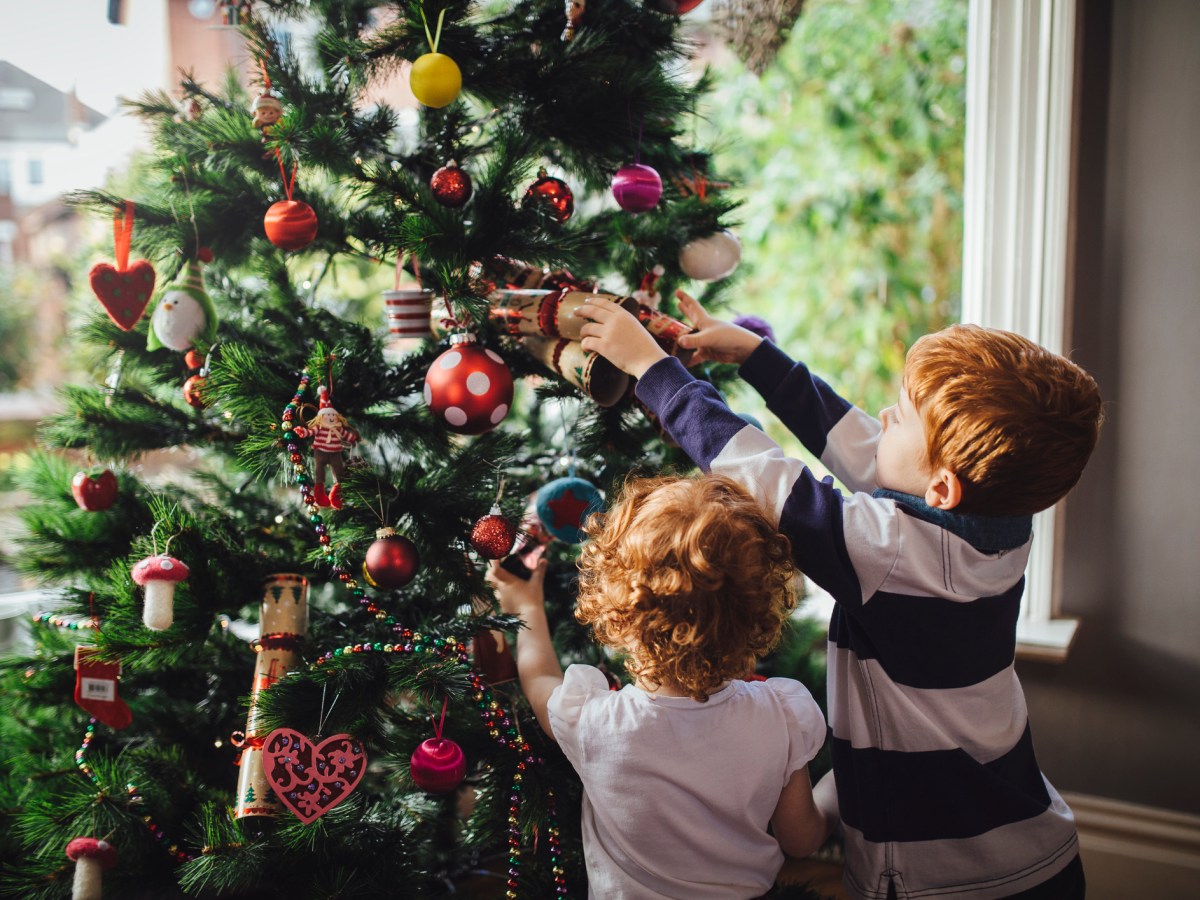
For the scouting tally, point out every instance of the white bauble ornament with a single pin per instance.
(712, 257)
(178, 320)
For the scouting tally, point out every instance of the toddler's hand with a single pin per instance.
(516, 595)
(616, 335)
(716, 340)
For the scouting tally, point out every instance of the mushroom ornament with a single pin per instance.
(91, 856)
(159, 575)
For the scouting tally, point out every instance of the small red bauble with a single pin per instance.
(438, 766)
(391, 561)
(451, 185)
(637, 188)
(290, 224)
(552, 196)
(193, 391)
(94, 492)
(469, 388)
(493, 535)
(678, 7)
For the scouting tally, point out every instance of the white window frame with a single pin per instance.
(1016, 241)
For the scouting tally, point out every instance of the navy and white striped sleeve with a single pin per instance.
(841, 435)
(810, 511)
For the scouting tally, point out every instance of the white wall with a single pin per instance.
(1121, 718)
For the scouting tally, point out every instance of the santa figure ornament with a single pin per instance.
(330, 435)
(469, 388)
(185, 316)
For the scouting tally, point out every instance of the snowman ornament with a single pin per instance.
(185, 316)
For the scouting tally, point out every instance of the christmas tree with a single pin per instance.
(277, 670)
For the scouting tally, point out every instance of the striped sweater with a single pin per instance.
(939, 791)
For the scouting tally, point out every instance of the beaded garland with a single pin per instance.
(500, 726)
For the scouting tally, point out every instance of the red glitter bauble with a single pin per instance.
(438, 766)
(391, 561)
(290, 224)
(193, 391)
(469, 388)
(552, 196)
(493, 535)
(451, 185)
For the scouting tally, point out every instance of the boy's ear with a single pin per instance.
(944, 491)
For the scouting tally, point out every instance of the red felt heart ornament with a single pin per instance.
(311, 780)
(124, 294)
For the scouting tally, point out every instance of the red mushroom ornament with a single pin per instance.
(91, 857)
(159, 575)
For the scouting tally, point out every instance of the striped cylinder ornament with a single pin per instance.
(407, 312)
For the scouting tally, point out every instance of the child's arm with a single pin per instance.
(537, 663)
(797, 823)
(825, 796)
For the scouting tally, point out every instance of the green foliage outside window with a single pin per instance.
(848, 157)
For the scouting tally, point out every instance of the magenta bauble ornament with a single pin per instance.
(392, 561)
(438, 766)
(469, 388)
(637, 188)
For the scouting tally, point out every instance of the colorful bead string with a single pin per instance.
(500, 726)
(45, 618)
(135, 797)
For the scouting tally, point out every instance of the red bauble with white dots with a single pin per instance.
(493, 535)
(469, 388)
(451, 186)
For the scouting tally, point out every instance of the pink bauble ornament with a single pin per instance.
(678, 7)
(469, 388)
(637, 188)
(438, 766)
(392, 560)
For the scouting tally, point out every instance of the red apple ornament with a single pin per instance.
(438, 766)
(94, 492)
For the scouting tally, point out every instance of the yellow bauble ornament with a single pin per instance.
(435, 79)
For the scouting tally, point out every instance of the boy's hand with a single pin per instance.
(716, 340)
(616, 335)
(516, 595)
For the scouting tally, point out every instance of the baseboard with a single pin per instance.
(1131, 850)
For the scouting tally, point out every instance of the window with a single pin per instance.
(1020, 83)
(36, 175)
(5, 177)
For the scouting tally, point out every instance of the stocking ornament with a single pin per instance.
(96, 689)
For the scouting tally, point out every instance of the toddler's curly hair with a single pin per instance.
(690, 577)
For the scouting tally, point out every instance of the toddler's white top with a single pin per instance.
(677, 793)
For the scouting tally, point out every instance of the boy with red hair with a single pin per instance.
(934, 775)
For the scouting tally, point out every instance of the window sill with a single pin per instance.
(1046, 641)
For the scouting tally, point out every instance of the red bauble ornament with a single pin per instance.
(469, 388)
(311, 780)
(678, 7)
(438, 766)
(552, 196)
(94, 492)
(451, 185)
(193, 391)
(493, 535)
(391, 561)
(290, 224)
(637, 188)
